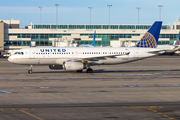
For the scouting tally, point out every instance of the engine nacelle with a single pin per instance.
(70, 65)
(55, 67)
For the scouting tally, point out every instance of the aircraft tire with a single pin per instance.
(89, 70)
(30, 71)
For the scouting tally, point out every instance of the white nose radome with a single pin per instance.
(10, 59)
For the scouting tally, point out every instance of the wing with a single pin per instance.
(96, 58)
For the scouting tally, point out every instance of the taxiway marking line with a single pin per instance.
(23, 111)
(155, 111)
(30, 115)
(151, 108)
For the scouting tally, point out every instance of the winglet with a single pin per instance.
(93, 44)
(177, 41)
(127, 53)
(150, 39)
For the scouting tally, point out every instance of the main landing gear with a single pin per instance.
(30, 71)
(89, 70)
(87, 66)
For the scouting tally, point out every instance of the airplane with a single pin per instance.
(171, 49)
(79, 58)
(93, 44)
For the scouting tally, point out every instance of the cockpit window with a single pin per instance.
(19, 53)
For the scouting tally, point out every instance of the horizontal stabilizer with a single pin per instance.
(177, 47)
(156, 51)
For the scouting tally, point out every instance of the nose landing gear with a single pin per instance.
(30, 71)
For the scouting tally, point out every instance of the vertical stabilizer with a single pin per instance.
(150, 39)
(93, 44)
(177, 41)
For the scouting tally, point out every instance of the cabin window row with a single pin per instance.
(85, 53)
(104, 52)
(54, 53)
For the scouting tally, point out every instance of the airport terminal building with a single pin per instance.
(12, 37)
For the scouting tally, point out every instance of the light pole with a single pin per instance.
(56, 15)
(90, 13)
(109, 14)
(138, 13)
(160, 11)
(40, 14)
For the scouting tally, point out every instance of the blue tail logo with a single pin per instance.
(177, 41)
(93, 44)
(150, 39)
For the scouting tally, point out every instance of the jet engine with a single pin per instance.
(55, 67)
(70, 65)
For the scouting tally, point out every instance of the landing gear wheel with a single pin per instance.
(79, 71)
(89, 70)
(30, 71)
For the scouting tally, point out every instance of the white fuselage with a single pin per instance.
(57, 55)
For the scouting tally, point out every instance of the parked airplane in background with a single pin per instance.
(93, 44)
(79, 58)
(171, 49)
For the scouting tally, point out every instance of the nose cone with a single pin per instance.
(10, 59)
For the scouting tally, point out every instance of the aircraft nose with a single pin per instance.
(10, 59)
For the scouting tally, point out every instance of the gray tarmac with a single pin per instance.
(143, 90)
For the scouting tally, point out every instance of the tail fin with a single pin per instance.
(150, 39)
(177, 41)
(93, 44)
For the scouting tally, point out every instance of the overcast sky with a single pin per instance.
(77, 12)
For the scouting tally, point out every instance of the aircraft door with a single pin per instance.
(32, 53)
(136, 53)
